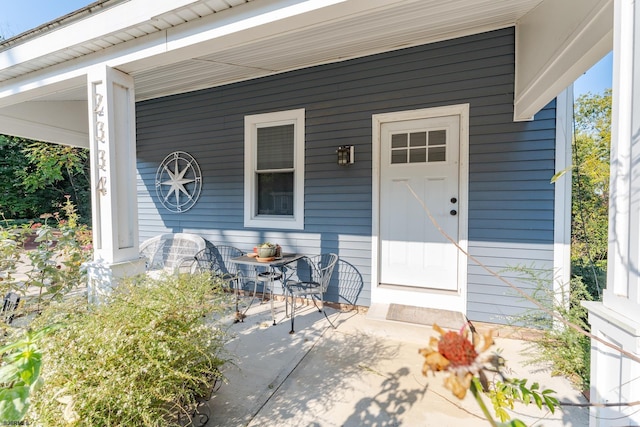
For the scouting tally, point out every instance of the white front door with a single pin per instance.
(419, 163)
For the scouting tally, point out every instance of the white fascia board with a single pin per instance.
(111, 20)
(260, 13)
(232, 27)
(556, 43)
(129, 14)
(33, 129)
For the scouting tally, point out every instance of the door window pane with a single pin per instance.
(418, 139)
(398, 156)
(419, 147)
(437, 146)
(399, 140)
(437, 154)
(437, 137)
(418, 155)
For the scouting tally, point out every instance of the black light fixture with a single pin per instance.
(345, 155)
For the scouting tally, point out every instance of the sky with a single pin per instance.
(17, 16)
(596, 79)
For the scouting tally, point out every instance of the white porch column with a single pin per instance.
(113, 179)
(616, 378)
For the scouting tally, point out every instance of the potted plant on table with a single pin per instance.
(266, 250)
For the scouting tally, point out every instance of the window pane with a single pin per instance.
(275, 147)
(418, 155)
(399, 140)
(418, 139)
(437, 154)
(399, 156)
(275, 193)
(437, 137)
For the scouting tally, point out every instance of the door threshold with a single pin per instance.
(418, 289)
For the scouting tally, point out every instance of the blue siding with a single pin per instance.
(510, 203)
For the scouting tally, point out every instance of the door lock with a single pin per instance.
(453, 212)
(454, 200)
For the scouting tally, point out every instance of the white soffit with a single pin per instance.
(173, 63)
(344, 33)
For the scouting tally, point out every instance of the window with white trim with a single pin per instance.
(274, 170)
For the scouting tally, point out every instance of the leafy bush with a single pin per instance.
(54, 266)
(139, 359)
(20, 373)
(568, 350)
(504, 394)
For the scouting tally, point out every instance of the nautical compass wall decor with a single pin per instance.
(178, 182)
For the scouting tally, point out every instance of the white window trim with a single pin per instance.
(251, 124)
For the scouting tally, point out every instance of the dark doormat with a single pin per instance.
(425, 316)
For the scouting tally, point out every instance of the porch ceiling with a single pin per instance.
(396, 26)
(337, 30)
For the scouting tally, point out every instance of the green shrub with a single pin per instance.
(139, 359)
(20, 373)
(568, 351)
(54, 267)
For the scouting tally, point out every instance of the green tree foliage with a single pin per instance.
(33, 174)
(14, 200)
(590, 205)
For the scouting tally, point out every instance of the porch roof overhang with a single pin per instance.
(176, 46)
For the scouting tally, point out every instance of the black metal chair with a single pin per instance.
(10, 306)
(313, 275)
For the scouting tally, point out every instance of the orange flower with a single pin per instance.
(455, 353)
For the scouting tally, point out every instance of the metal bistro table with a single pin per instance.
(272, 274)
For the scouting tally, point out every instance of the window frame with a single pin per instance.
(251, 125)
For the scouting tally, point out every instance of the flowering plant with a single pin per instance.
(463, 354)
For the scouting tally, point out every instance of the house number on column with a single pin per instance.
(98, 112)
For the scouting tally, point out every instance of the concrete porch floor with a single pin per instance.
(363, 372)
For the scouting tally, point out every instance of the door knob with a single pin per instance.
(453, 212)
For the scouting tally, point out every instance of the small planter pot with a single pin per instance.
(266, 252)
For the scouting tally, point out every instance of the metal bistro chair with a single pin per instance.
(313, 277)
(168, 252)
(217, 260)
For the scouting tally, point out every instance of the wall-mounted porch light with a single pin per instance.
(345, 155)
